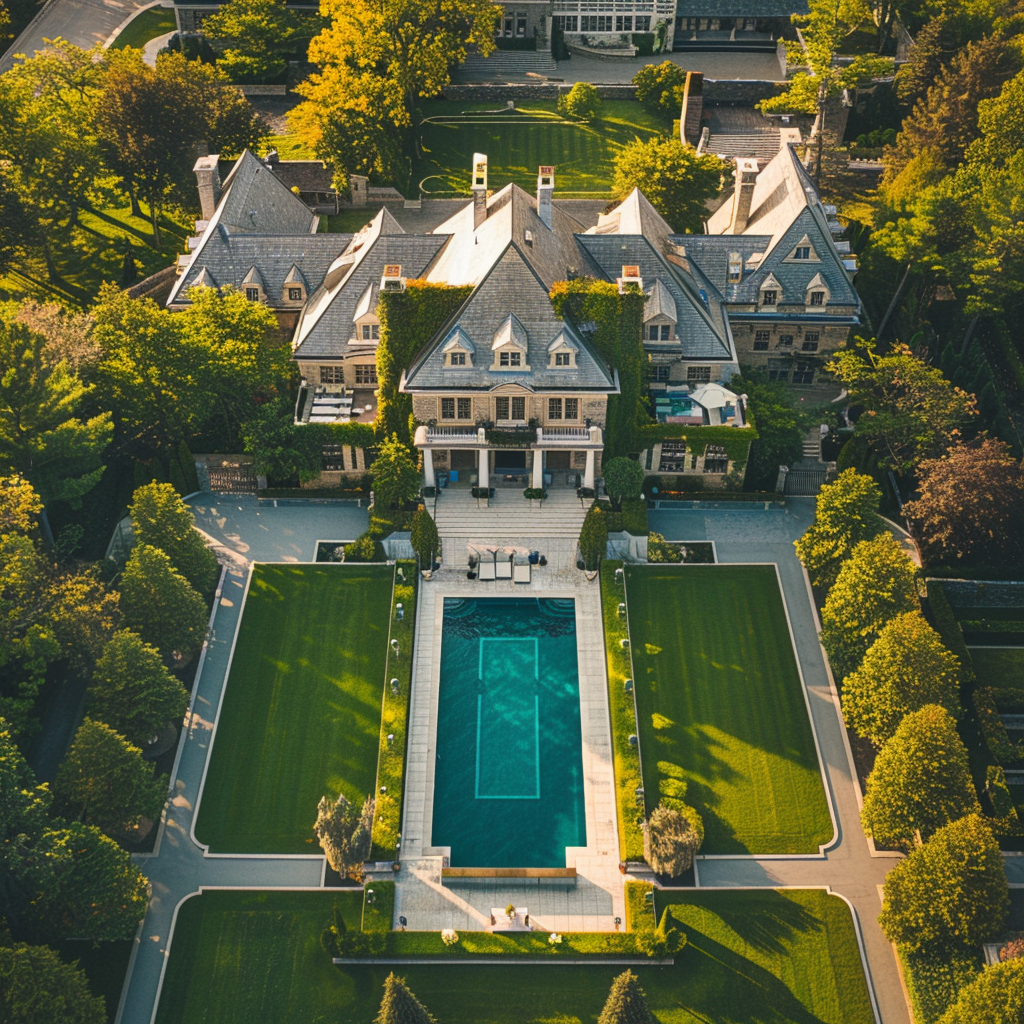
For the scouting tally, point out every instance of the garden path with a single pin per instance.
(850, 867)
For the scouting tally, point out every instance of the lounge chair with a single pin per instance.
(521, 573)
(486, 570)
(503, 569)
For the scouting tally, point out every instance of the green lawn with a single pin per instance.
(720, 705)
(999, 666)
(148, 24)
(517, 144)
(752, 957)
(301, 714)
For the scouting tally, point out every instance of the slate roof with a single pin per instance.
(510, 284)
(740, 8)
(326, 327)
(253, 201)
(306, 175)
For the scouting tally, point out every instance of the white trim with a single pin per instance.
(131, 17)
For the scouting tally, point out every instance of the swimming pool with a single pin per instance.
(508, 775)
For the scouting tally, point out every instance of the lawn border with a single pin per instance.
(204, 847)
(109, 41)
(825, 781)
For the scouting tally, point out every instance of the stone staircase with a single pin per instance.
(508, 515)
(807, 476)
(760, 144)
(812, 445)
(504, 66)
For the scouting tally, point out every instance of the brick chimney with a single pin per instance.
(479, 189)
(746, 178)
(208, 178)
(545, 190)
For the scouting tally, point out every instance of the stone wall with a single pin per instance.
(984, 593)
(724, 91)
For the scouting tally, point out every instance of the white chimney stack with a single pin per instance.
(746, 179)
(545, 192)
(208, 179)
(479, 189)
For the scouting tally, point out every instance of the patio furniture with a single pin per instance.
(503, 569)
(487, 571)
(521, 573)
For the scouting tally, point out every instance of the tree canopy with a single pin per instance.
(661, 86)
(256, 38)
(626, 1003)
(396, 476)
(37, 987)
(951, 890)
(921, 780)
(676, 181)
(623, 479)
(995, 996)
(906, 668)
(343, 830)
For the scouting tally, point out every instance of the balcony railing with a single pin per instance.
(565, 435)
(451, 433)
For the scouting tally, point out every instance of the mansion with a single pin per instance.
(765, 287)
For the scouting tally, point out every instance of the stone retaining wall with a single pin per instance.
(725, 91)
(984, 593)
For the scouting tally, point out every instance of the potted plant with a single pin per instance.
(535, 493)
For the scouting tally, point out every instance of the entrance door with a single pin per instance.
(463, 459)
(558, 460)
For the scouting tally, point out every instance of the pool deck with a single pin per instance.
(597, 899)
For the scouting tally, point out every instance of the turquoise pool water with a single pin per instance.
(508, 776)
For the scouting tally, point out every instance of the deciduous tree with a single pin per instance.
(951, 890)
(781, 428)
(921, 780)
(581, 101)
(396, 477)
(660, 86)
(344, 833)
(874, 584)
(906, 668)
(158, 602)
(133, 691)
(104, 781)
(996, 996)
(24, 805)
(845, 514)
(671, 839)
(84, 613)
(255, 36)
(161, 518)
(278, 447)
(626, 1003)
(399, 1005)
(677, 182)
(37, 987)
(970, 504)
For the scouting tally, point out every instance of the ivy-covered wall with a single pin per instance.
(613, 324)
(408, 320)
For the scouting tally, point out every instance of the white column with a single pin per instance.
(428, 467)
(483, 479)
(538, 467)
(588, 475)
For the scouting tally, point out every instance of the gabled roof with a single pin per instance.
(253, 201)
(511, 283)
(205, 279)
(660, 302)
(295, 276)
(511, 332)
(254, 277)
(634, 216)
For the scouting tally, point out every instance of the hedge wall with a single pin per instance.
(735, 440)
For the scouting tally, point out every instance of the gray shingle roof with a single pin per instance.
(740, 8)
(255, 202)
(511, 284)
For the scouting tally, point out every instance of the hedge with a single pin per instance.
(735, 440)
(632, 519)
(949, 631)
(628, 777)
(989, 703)
(934, 978)
(387, 819)
(639, 910)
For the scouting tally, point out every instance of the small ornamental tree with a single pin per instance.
(952, 889)
(161, 518)
(671, 838)
(623, 479)
(904, 669)
(626, 1003)
(105, 782)
(581, 101)
(396, 477)
(660, 86)
(594, 537)
(161, 604)
(344, 833)
(399, 1005)
(424, 538)
(279, 448)
(132, 690)
(875, 584)
(37, 986)
(996, 996)
(846, 513)
(921, 780)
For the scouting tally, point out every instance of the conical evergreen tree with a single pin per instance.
(626, 1004)
(400, 1006)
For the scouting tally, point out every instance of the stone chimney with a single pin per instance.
(208, 178)
(545, 190)
(746, 178)
(479, 189)
(357, 184)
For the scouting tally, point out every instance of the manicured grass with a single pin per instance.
(721, 707)
(998, 667)
(301, 714)
(156, 21)
(752, 957)
(517, 144)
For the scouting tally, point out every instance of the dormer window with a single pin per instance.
(294, 286)
(370, 332)
(803, 251)
(660, 332)
(817, 299)
(458, 350)
(510, 359)
(562, 359)
(252, 294)
(294, 294)
(769, 297)
(817, 292)
(510, 345)
(735, 267)
(252, 285)
(392, 281)
(562, 351)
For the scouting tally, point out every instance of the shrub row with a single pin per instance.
(934, 978)
(628, 776)
(989, 703)
(387, 818)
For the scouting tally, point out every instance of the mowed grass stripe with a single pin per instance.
(301, 713)
(238, 957)
(720, 705)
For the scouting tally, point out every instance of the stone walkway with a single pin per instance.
(850, 867)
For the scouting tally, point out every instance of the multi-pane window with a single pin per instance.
(562, 359)
(519, 408)
(661, 373)
(596, 23)
(761, 339)
(447, 408)
(659, 332)
(572, 408)
(698, 373)
(465, 408)
(735, 267)
(624, 23)
(294, 294)
(802, 252)
(457, 359)
(501, 408)
(332, 375)
(510, 358)
(366, 373)
(371, 332)
(769, 297)
(554, 408)
(810, 343)
(252, 294)
(785, 340)
(642, 23)
(510, 409)
(803, 373)
(566, 22)
(817, 298)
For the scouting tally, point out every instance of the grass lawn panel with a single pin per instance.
(1000, 667)
(517, 144)
(720, 705)
(241, 956)
(156, 21)
(301, 713)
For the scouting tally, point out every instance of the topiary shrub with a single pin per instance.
(671, 840)
(594, 537)
(365, 549)
(581, 101)
(623, 479)
(424, 539)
